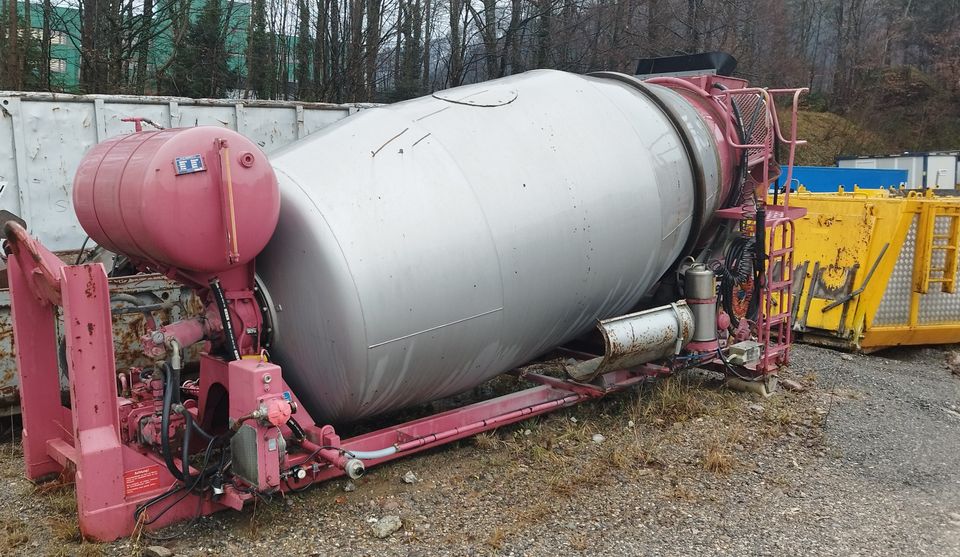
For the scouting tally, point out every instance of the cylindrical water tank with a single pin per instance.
(427, 246)
(166, 198)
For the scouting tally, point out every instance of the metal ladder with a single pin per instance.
(929, 243)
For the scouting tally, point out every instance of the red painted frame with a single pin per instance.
(84, 440)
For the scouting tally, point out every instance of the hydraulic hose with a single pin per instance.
(170, 397)
(233, 352)
(372, 455)
(298, 433)
(171, 384)
(760, 256)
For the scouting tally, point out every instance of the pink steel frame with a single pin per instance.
(775, 325)
(85, 439)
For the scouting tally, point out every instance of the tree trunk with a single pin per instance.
(544, 39)
(45, 47)
(455, 72)
(374, 7)
(14, 72)
(336, 53)
(426, 86)
(321, 51)
(143, 50)
(304, 88)
(355, 73)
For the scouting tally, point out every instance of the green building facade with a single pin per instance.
(65, 58)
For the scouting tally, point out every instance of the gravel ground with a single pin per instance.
(863, 462)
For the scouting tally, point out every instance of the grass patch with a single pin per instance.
(496, 538)
(718, 459)
(13, 535)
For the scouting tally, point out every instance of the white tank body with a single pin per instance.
(427, 246)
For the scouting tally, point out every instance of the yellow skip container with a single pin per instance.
(876, 268)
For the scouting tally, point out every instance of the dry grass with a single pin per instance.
(65, 529)
(718, 459)
(578, 542)
(488, 441)
(681, 398)
(13, 534)
(496, 538)
(682, 493)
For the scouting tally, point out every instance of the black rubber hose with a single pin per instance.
(185, 453)
(737, 194)
(233, 352)
(171, 395)
(297, 431)
(759, 256)
(737, 267)
(171, 384)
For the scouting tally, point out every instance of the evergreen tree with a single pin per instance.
(260, 54)
(199, 68)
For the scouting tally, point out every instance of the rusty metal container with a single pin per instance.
(425, 247)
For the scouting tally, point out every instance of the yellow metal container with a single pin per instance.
(876, 269)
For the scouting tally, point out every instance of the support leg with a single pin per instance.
(93, 393)
(35, 337)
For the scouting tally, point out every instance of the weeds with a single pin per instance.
(717, 459)
(13, 534)
(496, 538)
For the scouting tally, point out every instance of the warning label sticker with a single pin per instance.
(141, 480)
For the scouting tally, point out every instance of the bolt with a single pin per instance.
(267, 378)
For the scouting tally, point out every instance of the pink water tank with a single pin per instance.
(201, 199)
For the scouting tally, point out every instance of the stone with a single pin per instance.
(756, 407)
(386, 526)
(157, 551)
(349, 486)
(846, 358)
(597, 438)
(791, 385)
(409, 477)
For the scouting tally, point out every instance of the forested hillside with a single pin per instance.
(891, 67)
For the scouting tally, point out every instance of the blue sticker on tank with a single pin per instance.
(189, 164)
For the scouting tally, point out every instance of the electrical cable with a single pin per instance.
(737, 268)
(83, 246)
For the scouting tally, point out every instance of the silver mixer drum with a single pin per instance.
(427, 246)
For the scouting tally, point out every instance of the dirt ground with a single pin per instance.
(865, 461)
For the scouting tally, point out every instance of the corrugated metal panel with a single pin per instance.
(43, 136)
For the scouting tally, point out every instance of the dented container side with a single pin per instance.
(875, 271)
(44, 137)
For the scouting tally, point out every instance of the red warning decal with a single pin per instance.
(141, 480)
